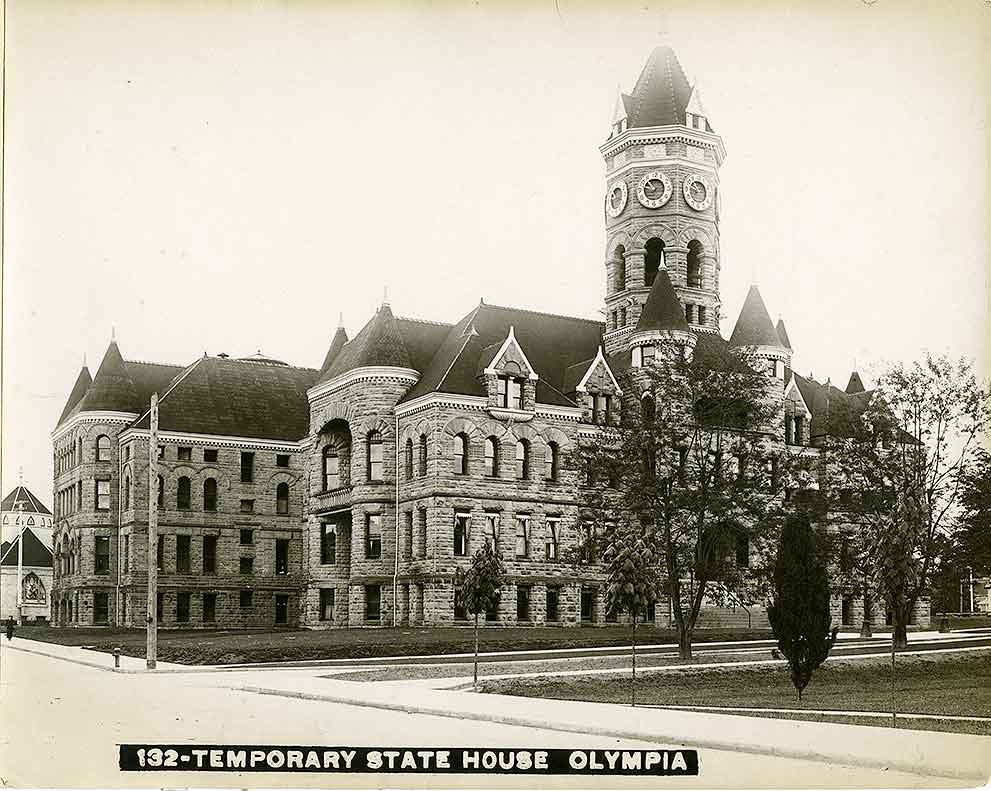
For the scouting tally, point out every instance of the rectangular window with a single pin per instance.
(160, 560)
(101, 555)
(210, 454)
(184, 453)
(247, 467)
(328, 544)
(282, 556)
(182, 607)
(688, 312)
(846, 611)
(182, 554)
(103, 495)
(423, 533)
(209, 554)
(246, 598)
(460, 611)
(600, 409)
(281, 608)
(127, 554)
(588, 605)
(373, 536)
(376, 467)
(246, 565)
(492, 531)
(461, 522)
(281, 459)
(651, 614)
(522, 536)
(101, 608)
(553, 600)
(209, 607)
(647, 352)
(408, 536)
(522, 602)
(373, 603)
(846, 556)
(247, 535)
(327, 604)
(79, 495)
(701, 310)
(552, 533)
(247, 506)
(161, 451)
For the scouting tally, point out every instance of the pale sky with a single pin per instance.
(230, 177)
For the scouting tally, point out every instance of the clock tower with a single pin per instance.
(662, 200)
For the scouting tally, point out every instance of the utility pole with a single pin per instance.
(19, 507)
(151, 649)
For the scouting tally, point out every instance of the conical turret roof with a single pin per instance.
(663, 310)
(380, 343)
(112, 388)
(754, 326)
(855, 385)
(783, 334)
(662, 92)
(340, 338)
(83, 381)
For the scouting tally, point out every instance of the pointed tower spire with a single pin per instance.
(336, 344)
(856, 384)
(112, 388)
(783, 334)
(663, 310)
(754, 327)
(83, 381)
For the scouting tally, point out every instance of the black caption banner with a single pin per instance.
(416, 760)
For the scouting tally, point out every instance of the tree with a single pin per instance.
(479, 589)
(974, 523)
(799, 614)
(632, 582)
(693, 462)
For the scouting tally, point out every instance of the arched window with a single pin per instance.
(409, 459)
(182, 496)
(423, 455)
(161, 492)
(550, 461)
(210, 494)
(522, 459)
(80, 450)
(127, 491)
(460, 465)
(695, 263)
(331, 469)
(282, 498)
(374, 464)
(620, 262)
(653, 260)
(103, 448)
(491, 457)
(647, 409)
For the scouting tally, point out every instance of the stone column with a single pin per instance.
(634, 267)
(676, 262)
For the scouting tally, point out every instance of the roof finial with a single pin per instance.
(340, 320)
(385, 296)
(855, 364)
(84, 359)
(20, 476)
(113, 334)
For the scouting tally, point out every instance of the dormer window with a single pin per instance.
(510, 392)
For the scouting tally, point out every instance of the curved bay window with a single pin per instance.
(375, 466)
(331, 469)
(460, 461)
(491, 457)
(282, 499)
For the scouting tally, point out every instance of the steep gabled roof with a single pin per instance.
(754, 326)
(112, 388)
(663, 310)
(83, 381)
(21, 494)
(35, 551)
(834, 412)
(856, 384)
(783, 334)
(662, 92)
(238, 398)
(552, 344)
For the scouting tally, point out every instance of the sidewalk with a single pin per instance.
(84, 656)
(949, 755)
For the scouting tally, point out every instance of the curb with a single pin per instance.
(912, 767)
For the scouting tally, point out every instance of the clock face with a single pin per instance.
(654, 189)
(698, 193)
(616, 199)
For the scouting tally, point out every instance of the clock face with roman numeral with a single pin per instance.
(654, 189)
(616, 198)
(698, 193)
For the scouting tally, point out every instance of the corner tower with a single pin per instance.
(662, 200)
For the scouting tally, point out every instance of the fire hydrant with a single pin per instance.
(116, 659)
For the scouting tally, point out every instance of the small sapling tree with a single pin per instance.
(799, 614)
(479, 589)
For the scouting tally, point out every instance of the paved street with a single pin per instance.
(69, 718)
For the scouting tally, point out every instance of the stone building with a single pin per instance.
(347, 495)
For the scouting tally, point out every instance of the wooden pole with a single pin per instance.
(151, 648)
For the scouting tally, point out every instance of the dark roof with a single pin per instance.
(663, 310)
(754, 327)
(783, 334)
(83, 382)
(661, 94)
(551, 343)
(21, 494)
(834, 411)
(123, 385)
(856, 384)
(238, 398)
(35, 551)
(338, 341)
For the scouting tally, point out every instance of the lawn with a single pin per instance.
(950, 684)
(199, 647)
